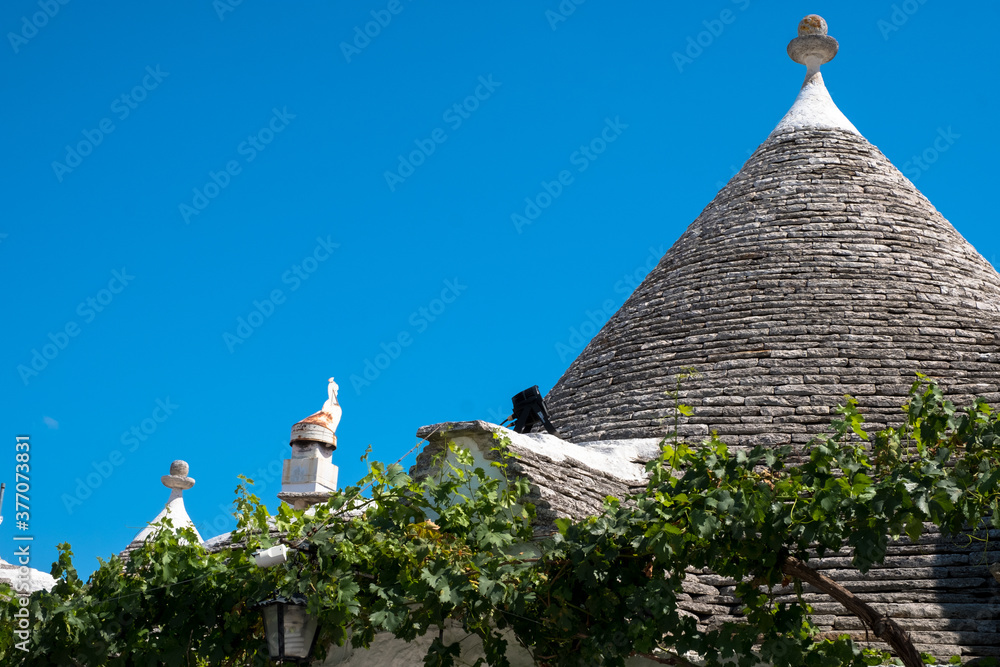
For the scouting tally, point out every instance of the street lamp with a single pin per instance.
(290, 631)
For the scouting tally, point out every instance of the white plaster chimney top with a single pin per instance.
(320, 427)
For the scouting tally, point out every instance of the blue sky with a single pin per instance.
(211, 208)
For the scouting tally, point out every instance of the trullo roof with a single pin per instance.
(819, 270)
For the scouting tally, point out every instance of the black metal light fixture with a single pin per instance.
(529, 410)
(290, 630)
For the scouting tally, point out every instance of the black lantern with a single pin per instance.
(291, 632)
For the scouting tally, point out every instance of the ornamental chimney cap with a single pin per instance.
(320, 427)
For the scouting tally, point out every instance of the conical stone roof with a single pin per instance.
(819, 270)
(177, 481)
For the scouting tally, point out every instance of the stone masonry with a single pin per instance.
(818, 271)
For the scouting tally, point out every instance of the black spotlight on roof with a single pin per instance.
(529, 410)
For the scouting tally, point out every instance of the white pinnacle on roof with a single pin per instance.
(309, 476)
(321, 426)
(814, 108)
(177, 481)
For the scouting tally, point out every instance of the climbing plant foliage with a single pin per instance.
(409, 557)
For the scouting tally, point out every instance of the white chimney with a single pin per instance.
(309, 476)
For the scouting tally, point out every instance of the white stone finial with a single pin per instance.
(813, 47)
(813, 108)
(332, 407)
(321, 426)
(178, 479)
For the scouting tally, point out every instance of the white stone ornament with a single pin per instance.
(813, 47)
(178, 479)
(178, 482)
(320, 427)
(310, 471)
(332, 407)
(814, 108)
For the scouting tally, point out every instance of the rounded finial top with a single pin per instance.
(813, 47)
(814, 24)
(178, 477)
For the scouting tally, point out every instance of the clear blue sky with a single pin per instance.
(208, 158)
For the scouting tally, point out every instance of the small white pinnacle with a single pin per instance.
(813, 47)
(814, 108)
(178, 479)
(320, 427)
